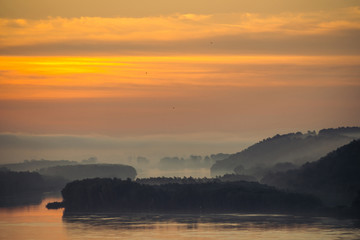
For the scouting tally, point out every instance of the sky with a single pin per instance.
(115, 78)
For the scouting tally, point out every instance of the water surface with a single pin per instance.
(36, 222)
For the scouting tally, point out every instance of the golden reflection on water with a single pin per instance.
(36, 222)
(32, 222)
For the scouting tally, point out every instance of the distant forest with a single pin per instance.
(191, 180)
(192, 162)
(75, 172)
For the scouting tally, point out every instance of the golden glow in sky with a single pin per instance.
(130, 76)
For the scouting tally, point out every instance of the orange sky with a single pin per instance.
(246, 68)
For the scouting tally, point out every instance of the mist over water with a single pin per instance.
(18, 147)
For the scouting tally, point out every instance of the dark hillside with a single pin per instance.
(334, 178)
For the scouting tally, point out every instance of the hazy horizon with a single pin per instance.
(20, 147)
(17, 147)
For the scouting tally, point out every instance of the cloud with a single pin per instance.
(39, 9)
(179, 33)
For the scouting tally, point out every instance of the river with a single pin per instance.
(38, 223)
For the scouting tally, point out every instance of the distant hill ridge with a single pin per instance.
(296, 148)
(35, 165)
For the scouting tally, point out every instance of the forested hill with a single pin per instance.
(296, 148)
(91, 195)
(334, 178)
